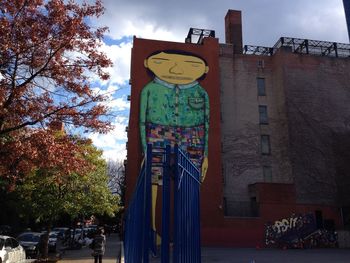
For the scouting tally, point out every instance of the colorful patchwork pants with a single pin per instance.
(189, 139)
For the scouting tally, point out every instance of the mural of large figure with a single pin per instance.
(174, 108)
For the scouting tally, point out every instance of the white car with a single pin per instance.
(11, 251)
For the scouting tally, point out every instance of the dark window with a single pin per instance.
(267, 172)
(261, 86)
(14, 243)
(254, 207)
(263, 119)
(225, 206)
(265, 144)
(319, 219)
(8, 243)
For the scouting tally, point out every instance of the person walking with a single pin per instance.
(98, 245)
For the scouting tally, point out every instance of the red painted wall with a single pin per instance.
(276, 201)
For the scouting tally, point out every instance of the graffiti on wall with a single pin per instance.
(174, 107)
(298, 231)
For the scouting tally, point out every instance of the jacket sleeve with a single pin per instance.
(206, 123)
(143, 117)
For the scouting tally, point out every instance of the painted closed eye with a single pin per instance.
(157, 62)
(194, 64)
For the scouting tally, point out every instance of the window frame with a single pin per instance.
(263, 115)
(268, 144)
(261, 86)
(267, 175)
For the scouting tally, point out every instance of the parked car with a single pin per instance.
(77, 233)
(10, 250)
(63, 232)
(53, 241)
(32, 242)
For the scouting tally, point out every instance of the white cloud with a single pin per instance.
(121, 57)
(118, 152)
(113, 143)
(264, 21)
(119, 103)
(117, 134)
(114, 102)
(144, 29)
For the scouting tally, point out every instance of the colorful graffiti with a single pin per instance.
(174, 107)
(298, 231)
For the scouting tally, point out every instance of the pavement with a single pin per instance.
(250, 255)
(225, 255)
(84, 255)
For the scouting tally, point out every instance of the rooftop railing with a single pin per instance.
(302, 46)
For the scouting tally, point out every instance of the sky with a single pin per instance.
(264, 22)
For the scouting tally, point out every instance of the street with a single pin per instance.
(84, 255)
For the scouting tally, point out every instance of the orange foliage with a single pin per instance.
(49, 55)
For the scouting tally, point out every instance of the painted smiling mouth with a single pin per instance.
(176, 77)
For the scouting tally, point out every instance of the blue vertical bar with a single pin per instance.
(166, 208)
(198, 236)
(347, 14)
(147, 205)
(187, 233)
(176, 222)
(186, 203)
(133, 229)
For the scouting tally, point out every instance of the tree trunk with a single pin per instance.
(45, 246)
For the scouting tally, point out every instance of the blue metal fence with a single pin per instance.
(137, 218)
(186, 210)
(139, 236)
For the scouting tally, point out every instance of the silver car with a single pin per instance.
(11, 251)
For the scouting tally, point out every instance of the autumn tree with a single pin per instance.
(46, 195)
(49, 56)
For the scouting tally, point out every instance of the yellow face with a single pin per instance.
(176, 68)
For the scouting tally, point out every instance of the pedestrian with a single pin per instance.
(98, 246)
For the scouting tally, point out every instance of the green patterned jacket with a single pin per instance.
(174, 105)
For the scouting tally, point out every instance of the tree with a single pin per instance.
(116, 178)
(117, 184)
(48, 59)
(46, 196)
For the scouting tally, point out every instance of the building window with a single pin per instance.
(225, 206)
(267, 172)
(261, 86)
(263, 119)
(254, 206)
(265, 144)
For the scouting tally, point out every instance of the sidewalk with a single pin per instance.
(252, 255)
(225, 255)
(84, 255)
(248, 255)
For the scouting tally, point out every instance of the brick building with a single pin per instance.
(279, 132)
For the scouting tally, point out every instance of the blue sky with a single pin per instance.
(264, 22)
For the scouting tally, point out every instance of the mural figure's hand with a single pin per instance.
(204, 168)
